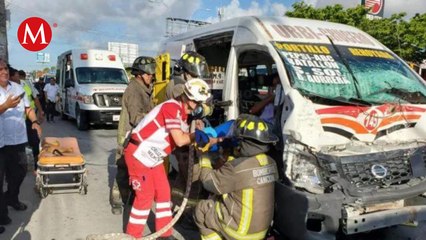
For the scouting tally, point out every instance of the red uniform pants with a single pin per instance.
(150, 184)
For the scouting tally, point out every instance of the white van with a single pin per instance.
(92, 83)
(353, 119)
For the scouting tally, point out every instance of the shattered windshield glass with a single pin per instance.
(351, 74)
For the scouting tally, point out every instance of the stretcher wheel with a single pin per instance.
(43, 192)
(38, 182)
(83, 187)
(83, 190)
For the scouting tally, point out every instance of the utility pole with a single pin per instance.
(3, 31)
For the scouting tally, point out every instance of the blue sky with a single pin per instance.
(93, 23)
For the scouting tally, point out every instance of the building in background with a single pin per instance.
(376, 8)
(128, 52)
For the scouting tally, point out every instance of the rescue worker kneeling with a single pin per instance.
(243, 205)
(154, 138)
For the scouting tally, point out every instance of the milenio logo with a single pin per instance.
(34, 34)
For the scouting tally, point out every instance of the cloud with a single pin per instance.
(255, 8)
(82, 21)
(278, 9)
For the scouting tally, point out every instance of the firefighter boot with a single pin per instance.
(115, 200)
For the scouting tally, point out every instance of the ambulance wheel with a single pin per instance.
(81, 119)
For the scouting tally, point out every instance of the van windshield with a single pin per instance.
(352, 74)
(89, 75)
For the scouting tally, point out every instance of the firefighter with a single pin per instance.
(151, 140)
(190, 65)
(243, 204)
(136, 103)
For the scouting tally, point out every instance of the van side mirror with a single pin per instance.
(69, 83)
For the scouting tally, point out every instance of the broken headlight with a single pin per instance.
(305, 173)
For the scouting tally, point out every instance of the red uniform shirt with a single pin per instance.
(153, 132)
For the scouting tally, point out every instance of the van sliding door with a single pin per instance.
(216, 48)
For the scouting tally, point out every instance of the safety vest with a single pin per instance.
(29, 93)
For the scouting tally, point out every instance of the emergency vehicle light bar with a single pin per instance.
(85, 56)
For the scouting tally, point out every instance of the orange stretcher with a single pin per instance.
(60, 156)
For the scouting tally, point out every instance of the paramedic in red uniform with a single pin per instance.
(154, 138)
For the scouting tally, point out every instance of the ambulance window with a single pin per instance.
(68, 68)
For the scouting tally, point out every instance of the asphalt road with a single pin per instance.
(67, 215)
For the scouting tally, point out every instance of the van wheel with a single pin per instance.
(81, 119)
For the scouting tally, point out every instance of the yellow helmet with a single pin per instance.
(194, 64)
(252, 127)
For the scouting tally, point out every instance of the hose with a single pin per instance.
(155, 235)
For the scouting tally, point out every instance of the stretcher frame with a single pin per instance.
(47, 168)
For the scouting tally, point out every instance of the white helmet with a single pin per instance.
(197, 90)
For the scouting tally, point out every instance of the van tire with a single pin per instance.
(81, 119)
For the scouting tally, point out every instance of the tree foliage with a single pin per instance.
(405, 38)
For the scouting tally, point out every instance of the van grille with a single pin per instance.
(378, 169)
(108, 99)
(360, 173)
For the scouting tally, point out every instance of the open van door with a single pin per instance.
(162, 77)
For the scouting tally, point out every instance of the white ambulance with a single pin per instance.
(91, 83)
(352, 118)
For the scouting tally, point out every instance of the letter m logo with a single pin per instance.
(30, 34)
(34, 34)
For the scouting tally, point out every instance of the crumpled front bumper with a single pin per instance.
(381, 219)
(295, 210)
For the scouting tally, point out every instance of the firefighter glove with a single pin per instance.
(202, 140)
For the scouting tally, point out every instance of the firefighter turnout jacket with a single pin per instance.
(244, 203)
(171, 90)
(137, 102)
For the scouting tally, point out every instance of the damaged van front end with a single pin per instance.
(360, 185)
(354, 132)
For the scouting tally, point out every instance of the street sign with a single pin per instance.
(43, 57)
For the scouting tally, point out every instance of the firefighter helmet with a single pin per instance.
(197, 90)
(194, 64)
(252, 127)
(143, 65)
